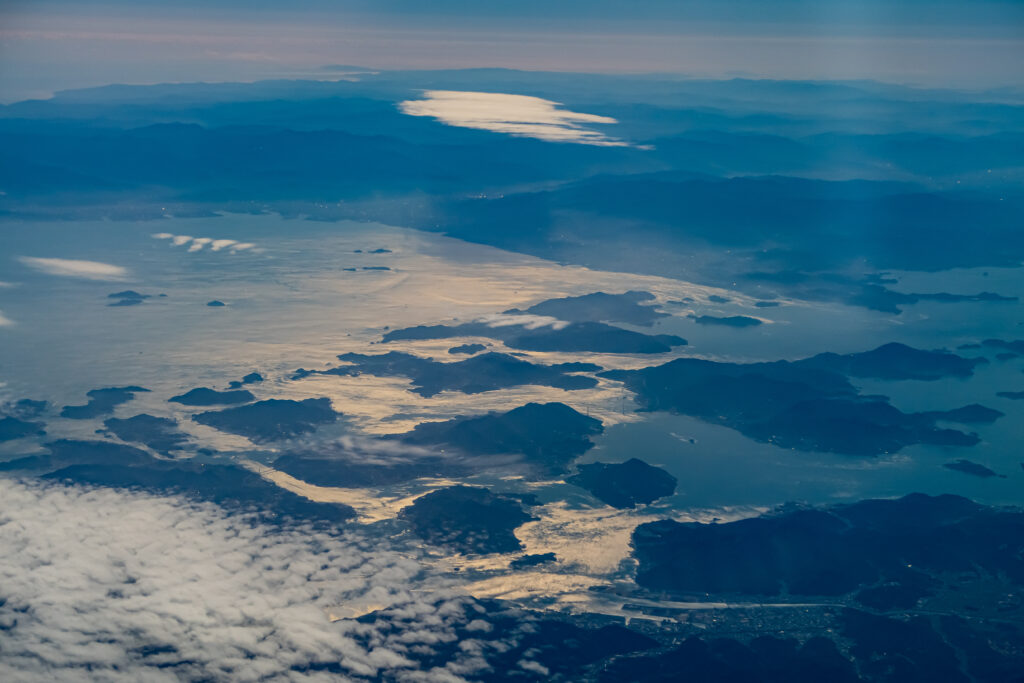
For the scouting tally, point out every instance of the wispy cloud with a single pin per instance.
(90, 270)
(199, 243)
(529, 321)
(518, 115)
(4, 320)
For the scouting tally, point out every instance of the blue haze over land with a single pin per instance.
(699, 357)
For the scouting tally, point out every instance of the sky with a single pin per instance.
(47, 45)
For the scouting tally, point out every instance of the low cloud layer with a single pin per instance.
(530, 322)
(4, 320)
(200, 243)
(109, 585)
(90, 270)
(518, 115)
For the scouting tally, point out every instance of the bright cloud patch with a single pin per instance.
(519, 115)
(5, 321)
(99, 584)
(90, 270)
(199, 243)
(530, 322)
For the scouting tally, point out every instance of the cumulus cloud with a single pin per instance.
(198, 243)
(518, 115)
(217, 245)
(111, 585)
(90, 270)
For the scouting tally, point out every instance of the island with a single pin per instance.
(159, 433)
(468, 519)
(624, 485)
(485, 372)
(632, 307)
(726, 321)
(805, 405)
(548, 436)
(525, 334)
(101, 402)
(271, 420)
(203, 396)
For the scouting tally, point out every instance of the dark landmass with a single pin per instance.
(346, 472)
(548, 435)
(271, 420)
(628, 307)
(803, 405)
(1016, 345)
(760, 645)
(486, 372)
(769, 220)
(765, 659)
(918, 650)
(251, 378)
(722, 169)
(715, 298)
(527, 561)
(561, 648)
(969, 414)
(833, 551)
(376, 268)
(767, 304)
(159, 433)
(896, 362)
(624, 485)
(904, 592)
(972, 468)
(101, 402)
(727, 321)
(215, 303)
(946, 297)
(1012, 395)
(127, 298)
(66, 452)
(857, 646)
(227, 485)
(24, 408)
(594, 337)
(15, 428)
(467, 519)
(379, 251)
(468, 349)
(1008, 355)
(203, 396)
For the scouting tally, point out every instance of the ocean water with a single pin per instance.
(292, 301)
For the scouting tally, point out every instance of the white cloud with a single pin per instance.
(4, 320)
(90, 270)
(518, 115)
(529, 321)
(217, 245)
(110, 585)
(198, 243)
